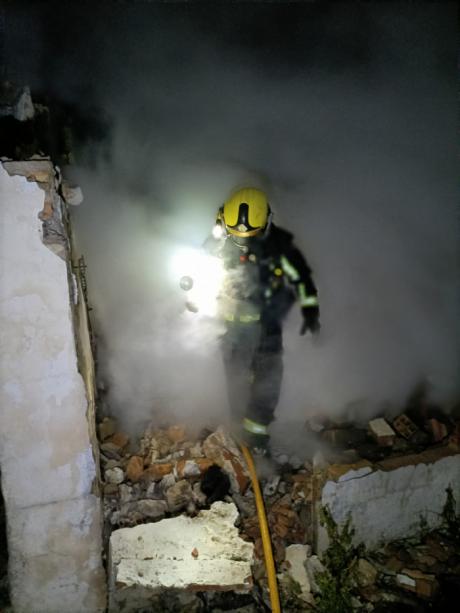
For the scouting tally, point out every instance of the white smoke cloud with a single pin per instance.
(351, 133)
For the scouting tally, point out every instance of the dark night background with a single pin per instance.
(344, 112)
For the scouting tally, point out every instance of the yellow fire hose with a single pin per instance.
(266, 543)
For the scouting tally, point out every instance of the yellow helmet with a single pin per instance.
(246, 213)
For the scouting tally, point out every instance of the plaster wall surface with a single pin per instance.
(47, 464)
(387, 505)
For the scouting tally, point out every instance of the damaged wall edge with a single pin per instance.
(48, 449)
(387, 500)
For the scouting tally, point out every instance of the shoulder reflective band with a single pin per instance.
(289, 269)
(305, 300)
(245, 319)
(254, 427)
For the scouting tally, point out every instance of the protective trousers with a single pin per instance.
(252, 354)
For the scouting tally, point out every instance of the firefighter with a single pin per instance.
(264, 274)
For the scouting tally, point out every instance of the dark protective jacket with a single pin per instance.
(264, 276)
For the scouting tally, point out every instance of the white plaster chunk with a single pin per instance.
(72, 193)
(314, 567)
(382, 432)
(380, 427)
(204, 552)
(405, 580)
(296, 556)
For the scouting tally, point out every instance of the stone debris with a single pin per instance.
(171, 476)
(201, 553)
(296, 558)
(134, 468)
(314, 567)
(156, 471)
(118, 440)
(347, 444)
(111, 451)
(153, 509)
(114, 476)
(106, 428)
(366, 573)
(223, 451)
(422, 584)
(179, 495)
(382, 432)
(302, 487)
(404, 426)
(437, 429)
(271, 486)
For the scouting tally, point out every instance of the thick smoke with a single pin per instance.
(345, 115)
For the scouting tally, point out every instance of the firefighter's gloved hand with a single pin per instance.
(310, 316)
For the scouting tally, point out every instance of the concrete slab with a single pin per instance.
(181, 553)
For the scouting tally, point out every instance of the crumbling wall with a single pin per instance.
(47, 464)
(387, 501)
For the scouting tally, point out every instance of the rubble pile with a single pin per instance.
(422, 573)
(408, 433)
(166, 473)
(169, 474)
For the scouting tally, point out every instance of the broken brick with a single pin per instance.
(134, 468)
(119, 439)
(437, 429)
(422, 584)
(155, 472)
(106, 428)
(222, 449)
(404, 426)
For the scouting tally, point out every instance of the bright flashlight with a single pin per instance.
(186, 283)
(201, 275)
(217, 231)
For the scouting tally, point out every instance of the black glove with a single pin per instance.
(310, 316)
